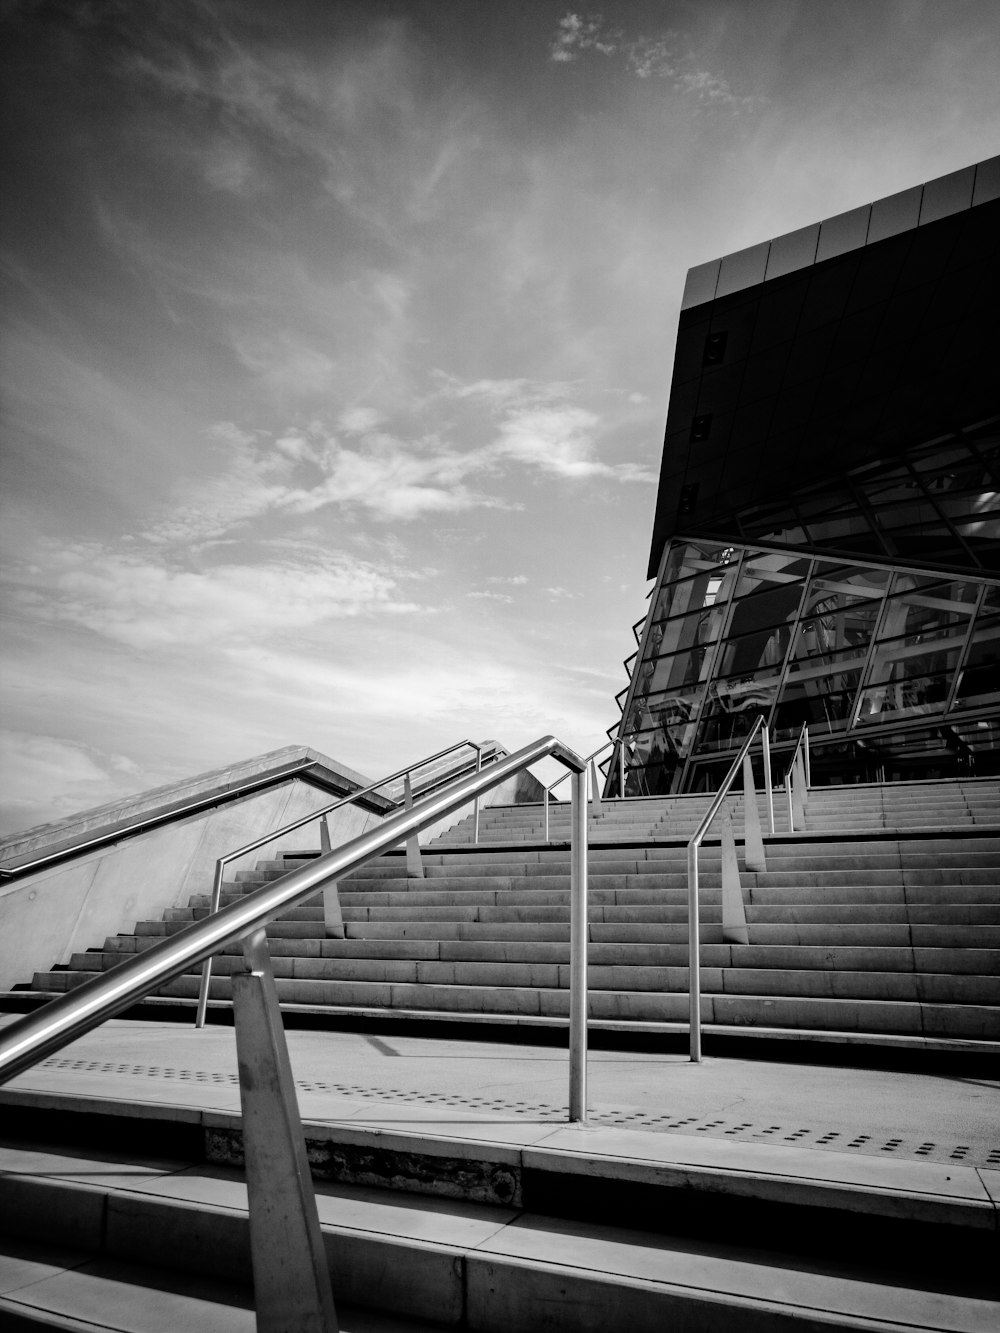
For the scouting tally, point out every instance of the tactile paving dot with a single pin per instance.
(661, 1123)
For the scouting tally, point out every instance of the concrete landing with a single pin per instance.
(730, 1110)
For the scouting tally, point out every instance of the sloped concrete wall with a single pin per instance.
(49, 915)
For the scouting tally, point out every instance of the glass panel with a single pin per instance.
(765, 648)
(904, 697)
(731, 707)
(675, 671)
(687, 559)
(918, 605)
(822, 701)
(849, 583)
(672, 713)
(979, 682)
(671, 636)
(901, 658)
(704, 590)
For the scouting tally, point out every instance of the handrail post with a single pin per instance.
(545, 802)
(291, 1278)
(805, 754)
(475, 807)
(206, 967)
(621, 770)
(579, 928)
(414, 862)
(694, 954)
(788, 797)
(595, 788)
(766, 746)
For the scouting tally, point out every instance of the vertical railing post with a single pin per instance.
(805, 753)
(621, 769)
(595, 788)
(414, 863)
(798, 788)
(206, 967)
(694, 955)
(291, 1278)
(578, 930)
(475, 808)
(545, 802)
(734, 917)
(766, 744)
(753, 842)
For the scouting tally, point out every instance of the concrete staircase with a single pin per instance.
(880, 922)
(134, 1217)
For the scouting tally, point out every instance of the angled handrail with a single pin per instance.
(694, 938)
(76, 1012)
(223, 861)
(589, 759)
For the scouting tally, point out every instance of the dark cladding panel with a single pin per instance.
(899, 212)
(879, 267)
(701, 283)
(987, 185)
(744, 268)
(829, 290)
(778, 311)
(845, 231)
(794, 250)
(947, 195)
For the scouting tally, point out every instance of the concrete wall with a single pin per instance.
(48, 915)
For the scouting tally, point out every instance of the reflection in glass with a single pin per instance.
(851, 649)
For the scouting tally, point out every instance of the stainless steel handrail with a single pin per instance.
(161, 817)
(223, 861)
(587, 760)
(801, 748)
(694, 940)
(76, 1012)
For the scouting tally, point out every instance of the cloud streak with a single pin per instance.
(659, 57)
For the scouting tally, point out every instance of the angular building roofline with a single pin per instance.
(837, 346)
(858, 227)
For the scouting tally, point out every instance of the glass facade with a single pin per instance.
(894, 665)
(826, 538)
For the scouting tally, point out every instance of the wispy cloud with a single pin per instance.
(491, 596)
(148, 599)
(59, 776)
(647, 57)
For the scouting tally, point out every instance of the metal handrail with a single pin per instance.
(801, 751)
(160, 817)
(223, 861)
(694, 940)
(588, 760)
(76, 1012)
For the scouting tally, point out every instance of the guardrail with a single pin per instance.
(290, 1273)
(742, 760)
(223, 861)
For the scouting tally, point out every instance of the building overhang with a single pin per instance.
(834, 347)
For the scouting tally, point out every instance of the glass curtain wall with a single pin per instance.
(888, 667)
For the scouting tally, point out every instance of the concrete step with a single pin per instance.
(614, 974)
(907, 1244)
(929, 1018)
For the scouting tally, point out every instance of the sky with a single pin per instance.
(336, 344)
